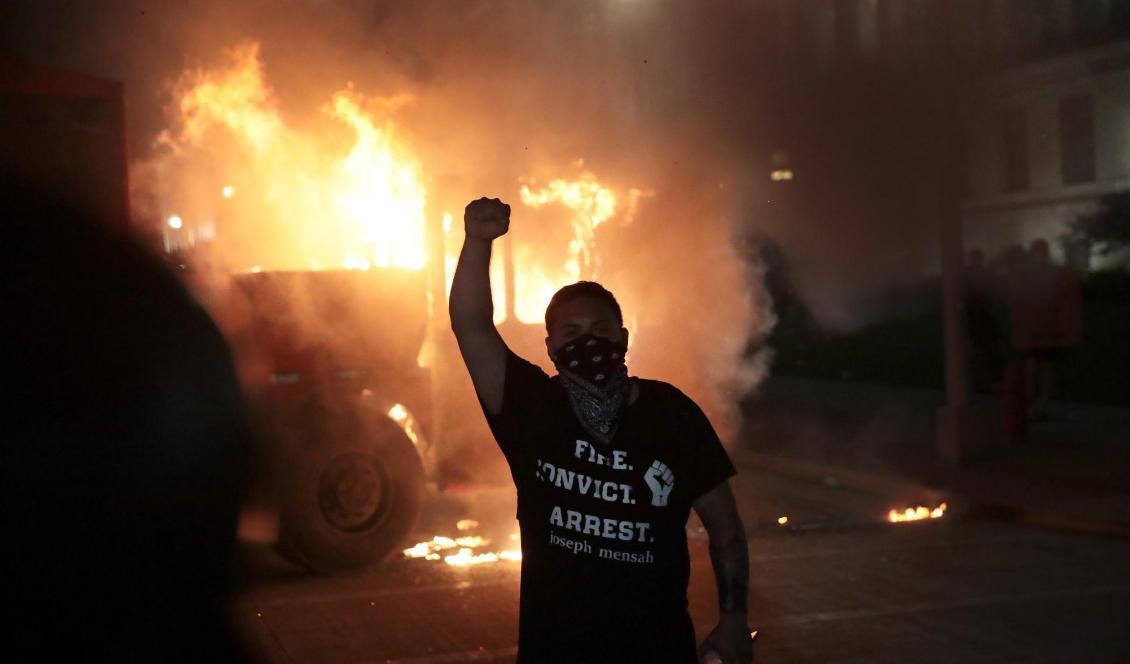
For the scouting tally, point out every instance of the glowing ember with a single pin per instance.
(418, 551)
(423, 549)
(919, 513)
(466, 524)
(782, 520)
(398, 413)
(465, 557)
(401, 415)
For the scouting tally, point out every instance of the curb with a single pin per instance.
(978, 504)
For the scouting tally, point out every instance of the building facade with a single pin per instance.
(1047, 140)
(1042, 89)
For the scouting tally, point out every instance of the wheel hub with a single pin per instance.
(352, 492)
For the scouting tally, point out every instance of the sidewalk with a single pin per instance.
(1073, 472)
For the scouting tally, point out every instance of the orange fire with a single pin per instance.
(350, 194)
(919, 513)
(465, 546)
(590, 204)
(347, 195)
(307, 201)
(404, 419)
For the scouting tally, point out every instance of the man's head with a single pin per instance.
(582, 308)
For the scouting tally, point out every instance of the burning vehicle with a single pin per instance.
(314, 253)
(338, 366)
(324, 250)
(334, 404)
(322, 253)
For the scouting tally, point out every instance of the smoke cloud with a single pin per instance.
(490, 96)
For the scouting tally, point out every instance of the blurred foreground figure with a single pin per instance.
(607, 468)
(125, 449)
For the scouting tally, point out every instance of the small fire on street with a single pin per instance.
(465, 547)
(919, 513)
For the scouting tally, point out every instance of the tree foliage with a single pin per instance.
(1107, 228)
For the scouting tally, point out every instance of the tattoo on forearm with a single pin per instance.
(731, 572)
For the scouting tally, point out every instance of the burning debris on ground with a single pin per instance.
(468, 549)
(919, 513)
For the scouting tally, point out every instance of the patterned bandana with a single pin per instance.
(593, 373)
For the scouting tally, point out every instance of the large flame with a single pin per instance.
(271, 195)
(304, 201)
(591, 204)
(379, 189)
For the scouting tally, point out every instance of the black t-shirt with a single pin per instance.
(605, 564)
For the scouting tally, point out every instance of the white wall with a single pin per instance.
(993, 219)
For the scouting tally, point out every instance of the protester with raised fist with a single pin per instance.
(607, 467)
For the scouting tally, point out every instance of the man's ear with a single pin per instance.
(548, 348)
(624, 331)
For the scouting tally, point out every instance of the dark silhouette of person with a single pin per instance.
(986, 337)
(1047, 322)
(1010, 271)
(125, 448)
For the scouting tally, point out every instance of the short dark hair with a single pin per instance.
(579, 290)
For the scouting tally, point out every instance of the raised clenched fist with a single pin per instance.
(486, 218)
(660, 480)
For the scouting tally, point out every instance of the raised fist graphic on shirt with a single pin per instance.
(660, 480)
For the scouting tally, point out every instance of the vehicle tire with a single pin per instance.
(351, 504)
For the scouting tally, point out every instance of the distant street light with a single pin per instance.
(781, 175)
(175, 222)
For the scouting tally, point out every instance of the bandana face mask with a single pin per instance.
(593, 373)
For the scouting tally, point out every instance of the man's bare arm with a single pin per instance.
(729, 555)
(471, 306)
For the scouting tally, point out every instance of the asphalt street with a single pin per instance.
(835, 583)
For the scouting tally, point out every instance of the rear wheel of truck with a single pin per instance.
(351, 505)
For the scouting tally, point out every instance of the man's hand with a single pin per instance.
(730, 641)
(729, 554)
(486, 218)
